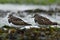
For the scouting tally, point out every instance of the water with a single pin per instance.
(27, 17)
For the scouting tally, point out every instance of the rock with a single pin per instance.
(39, 10)
(18, 12)
(3, 13)
(29, 11)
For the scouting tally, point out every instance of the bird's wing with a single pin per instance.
(44, 19)
(17, 19)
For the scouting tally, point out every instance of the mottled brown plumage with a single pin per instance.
(16, 21)
(43, 21)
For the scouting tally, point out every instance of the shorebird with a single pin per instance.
(43, 21)
(16, 21)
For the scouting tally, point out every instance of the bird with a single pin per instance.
(43, 21)
(16, 21)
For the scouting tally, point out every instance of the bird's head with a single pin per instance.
(35, 15)
(11, 15)
(10, 18)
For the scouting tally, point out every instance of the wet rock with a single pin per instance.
(26, 37)
(29, 11)
(8, 11)
(35, 11)
(57, 10)
(1, 38)
(11, 36)
(39, 10)
(18, 11)
(3, 13)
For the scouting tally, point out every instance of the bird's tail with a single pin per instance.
(56, 23)
(29, 24)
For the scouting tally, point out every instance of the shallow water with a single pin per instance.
(28, 17)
